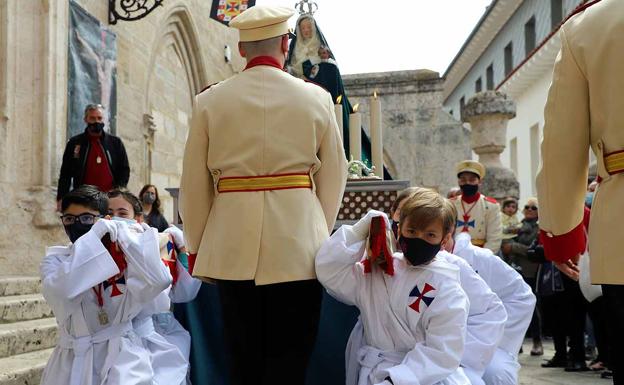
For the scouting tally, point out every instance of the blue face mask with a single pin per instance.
(127, 220)
(589, 199)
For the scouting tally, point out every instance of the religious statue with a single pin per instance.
(310, 57)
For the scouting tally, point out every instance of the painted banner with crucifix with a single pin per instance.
(92, 69)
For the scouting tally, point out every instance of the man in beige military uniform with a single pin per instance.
(477, 214)
(263, 178)
(585, 110)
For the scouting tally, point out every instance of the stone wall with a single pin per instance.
(163, 60)
(422, 143)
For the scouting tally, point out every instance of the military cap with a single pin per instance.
(471, 166)
(262, 22)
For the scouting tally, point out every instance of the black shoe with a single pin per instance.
(607, 374)
(555, 362)
(576, 367)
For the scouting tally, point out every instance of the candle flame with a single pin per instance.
(339, 99)
(375, 94)
(355, 108)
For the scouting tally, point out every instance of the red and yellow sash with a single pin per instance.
(264, 182)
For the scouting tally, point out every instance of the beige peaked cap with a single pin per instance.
(262, 22)
(471, 166)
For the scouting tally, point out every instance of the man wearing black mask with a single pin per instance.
(93, 157)
(477, 214)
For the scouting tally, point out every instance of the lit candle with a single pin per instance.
(355, 134)
(376, 135)
(338, 111)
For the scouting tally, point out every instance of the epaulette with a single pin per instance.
(580, 9)
(207, 87)
(491, 200)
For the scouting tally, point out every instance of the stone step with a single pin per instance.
(27, 336)
(19, 286)
(23, 369)
(23, 307)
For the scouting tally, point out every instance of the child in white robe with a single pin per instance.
(95, 295)
(519, 303)
(168, 342)
(486, 320)
(486, 314)
(413, 311)
(484, 326)
(183, 290)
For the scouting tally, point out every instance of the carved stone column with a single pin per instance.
(149, 126)
(488, 114)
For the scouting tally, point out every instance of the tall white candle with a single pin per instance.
(355, 134)
(376, 135)
(338, 112)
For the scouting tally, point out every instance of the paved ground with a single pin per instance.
(532, 373)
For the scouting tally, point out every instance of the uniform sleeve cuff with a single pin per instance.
(560, 248)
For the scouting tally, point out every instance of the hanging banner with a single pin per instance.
(92, 72)
(224, 11)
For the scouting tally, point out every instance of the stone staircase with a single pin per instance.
(28, 331)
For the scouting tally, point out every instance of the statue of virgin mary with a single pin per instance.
(310, 58)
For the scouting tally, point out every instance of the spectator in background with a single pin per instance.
(453, 192)
(94, 157)
(516, 252)
(151, 208)
(566, 311)
(509, 220)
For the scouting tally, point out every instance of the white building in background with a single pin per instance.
(512, 49)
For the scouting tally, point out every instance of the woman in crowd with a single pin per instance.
(151, 208)
(515, 251)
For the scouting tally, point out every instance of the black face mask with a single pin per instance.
(76, 230)
(469, 189)
(149, 198)
(96, 128)
(418, 251)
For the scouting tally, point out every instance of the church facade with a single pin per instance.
(162, 61)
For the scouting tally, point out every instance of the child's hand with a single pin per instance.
(361, 228)
(178, 236)
(103, 227)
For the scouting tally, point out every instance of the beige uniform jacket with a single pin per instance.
(585, 109)
(262, 121)
(483, 224)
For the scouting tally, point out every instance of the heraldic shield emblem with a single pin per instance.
(226, 10)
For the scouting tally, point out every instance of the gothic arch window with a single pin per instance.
(179, 30)
(176, 74)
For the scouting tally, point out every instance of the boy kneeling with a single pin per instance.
(95, 287)
(412, 306)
